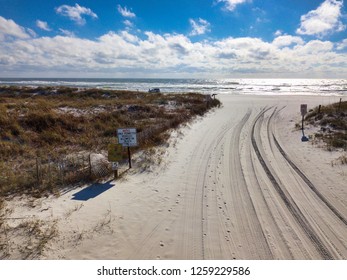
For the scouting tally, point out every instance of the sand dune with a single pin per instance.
(236, 184)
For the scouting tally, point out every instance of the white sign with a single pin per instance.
(127, 137)
(115, 165)
(303, 109)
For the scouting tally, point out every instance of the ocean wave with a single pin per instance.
(206, 86)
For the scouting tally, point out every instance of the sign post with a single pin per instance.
(127, 137)
(303, 110)
(129, 157)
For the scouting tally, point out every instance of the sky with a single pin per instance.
(173, 38)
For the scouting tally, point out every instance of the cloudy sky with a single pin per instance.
(173, 38)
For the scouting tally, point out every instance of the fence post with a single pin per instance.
(61, 171)
(49, 172)
(37, 172)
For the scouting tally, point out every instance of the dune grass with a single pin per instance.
(49, 123)
(45, 128)
(332, 120)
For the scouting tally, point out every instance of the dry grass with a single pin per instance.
(332, 121)
(33, 238)
(105, 222)
(43, 128)
(75, 209)
(49, 123)
(343, 159)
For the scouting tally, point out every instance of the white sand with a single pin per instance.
(212, 198)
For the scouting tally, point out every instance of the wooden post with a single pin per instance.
(319, 109)
(37, 172)
(62, 164)
(49, 172)
(129, 156)
(115, 167)
(340, 104)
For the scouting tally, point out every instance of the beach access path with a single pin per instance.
(237, 183)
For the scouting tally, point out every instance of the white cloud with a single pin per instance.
(31, 32)
(342, 45)
(67, 32)
(42, 25)
(125, 12)
(128, 23)
(278, 33)
(324, 20)
(129, 37)
(199, 27)
(314, 47)
(287, 40)
(231, 5)
(123, 53)
(75, 13)
(9, 28)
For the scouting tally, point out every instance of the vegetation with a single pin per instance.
(51, 123)
(332, 120)
(47, 137)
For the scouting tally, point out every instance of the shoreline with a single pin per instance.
(205, 86)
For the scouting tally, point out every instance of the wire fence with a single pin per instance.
(72, 169)
(46, 173)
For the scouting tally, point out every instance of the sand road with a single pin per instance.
(236, 184)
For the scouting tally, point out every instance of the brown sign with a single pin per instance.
(115, 152)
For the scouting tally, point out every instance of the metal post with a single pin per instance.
(303, 138)
(129, 156)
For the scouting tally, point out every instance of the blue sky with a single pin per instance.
(165, 38)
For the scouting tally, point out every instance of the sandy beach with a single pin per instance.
(237, 183)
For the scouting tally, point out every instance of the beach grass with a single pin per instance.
(332, 123)
(47, 124)
(48, 134)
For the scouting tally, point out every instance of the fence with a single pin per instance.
(72, 169)
(59, 173)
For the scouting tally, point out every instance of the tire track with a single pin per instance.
(190, 244)
(196, 208)
(287, 199)
(224, 230)
(252, 223)
(207, 180)
(309, 183)
(279, 245)
(271, 214)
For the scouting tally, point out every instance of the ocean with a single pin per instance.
(335, 87)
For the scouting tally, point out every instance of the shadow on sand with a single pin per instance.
(93, 191)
